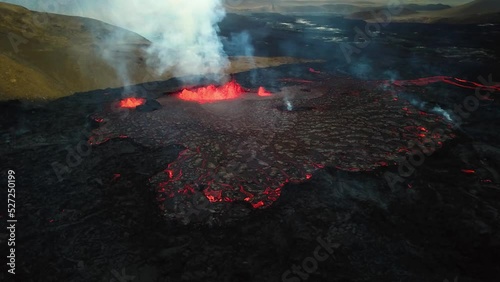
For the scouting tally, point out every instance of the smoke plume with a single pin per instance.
(184, 34)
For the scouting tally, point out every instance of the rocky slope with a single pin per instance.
(46, 56)
(475, 12)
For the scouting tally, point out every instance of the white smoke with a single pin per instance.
(435, 110)
(438, 110)
(184, 34)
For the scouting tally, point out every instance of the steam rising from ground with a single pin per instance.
(183, 33)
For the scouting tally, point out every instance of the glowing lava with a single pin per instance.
(250, 152)
(229, 91)
(263, 92)
(449, 80)
(131, 103)
(313, 70)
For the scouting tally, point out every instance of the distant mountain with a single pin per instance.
(477, 7)
(490, 18)
(429, 7)
(298, 6)
(475, 12)
(59, 55)
(478, 11)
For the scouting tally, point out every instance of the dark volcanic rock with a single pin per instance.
(247, 149)
(150, 106)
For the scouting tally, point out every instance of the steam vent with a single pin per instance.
(250, 140)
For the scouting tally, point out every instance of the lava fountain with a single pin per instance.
(131, 103)
(229, 91)
(249, 149)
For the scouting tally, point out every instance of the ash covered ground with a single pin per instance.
(93, 213)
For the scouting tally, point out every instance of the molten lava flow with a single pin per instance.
(131, 103)
(263, 92)
(446, 79)
(313, 70)
(291, 146)
(212, 93)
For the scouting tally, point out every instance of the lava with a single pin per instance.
(263, 92)
(213, 196)
(131, 103)
(313, 70)
(229, 91)
(351, 132)
(449, 80)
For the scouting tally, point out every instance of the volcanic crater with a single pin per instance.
(246, 149)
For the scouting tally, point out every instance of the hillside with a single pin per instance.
(476, 7)
(475, 12)
(46, 56)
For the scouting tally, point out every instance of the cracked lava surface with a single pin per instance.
(248, 148)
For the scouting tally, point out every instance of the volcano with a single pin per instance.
(131, 103)
(384, 168)
(212, 93)
(248, 149)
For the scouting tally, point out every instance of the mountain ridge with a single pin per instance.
(47, 56)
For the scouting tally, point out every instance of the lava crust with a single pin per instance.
(247, 149)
